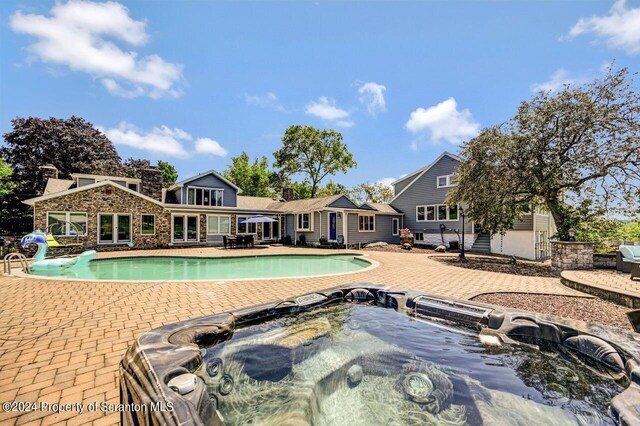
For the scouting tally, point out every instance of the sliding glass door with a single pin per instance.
(114, 228)
(185, 228)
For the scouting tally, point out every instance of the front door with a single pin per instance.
(332, 226)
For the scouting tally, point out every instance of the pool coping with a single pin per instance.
(373, 264)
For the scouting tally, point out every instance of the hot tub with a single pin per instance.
(373, 355)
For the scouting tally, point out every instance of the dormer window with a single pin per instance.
(204, 196)
(446, 181)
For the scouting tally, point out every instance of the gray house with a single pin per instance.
(421, 197)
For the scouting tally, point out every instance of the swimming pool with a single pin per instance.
(207, 268)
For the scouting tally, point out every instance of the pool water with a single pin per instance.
(364, 365)
(220, 268)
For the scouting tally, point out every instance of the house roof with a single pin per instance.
(32, 201)
(57, 185)
(418, 173)
(381, 207)
(425, 168)
(210, 172)
(305, 205)
(255, 203)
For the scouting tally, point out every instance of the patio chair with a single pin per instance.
(625, 256)
(339, 242)
(248, 241)
(228, 243)
(240, 241)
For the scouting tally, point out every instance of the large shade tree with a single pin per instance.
(376, 192)
(255, 178)
(72, 145)
(575, 151)
(313, 153)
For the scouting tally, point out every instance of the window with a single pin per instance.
(305, 222)
(133, 186)
(395, 226)
(62, 223)
(114, 228)
(446, 181)
(418, 236)
(437, 212)
(218, 225)
(246, 228)
(204, 196)
(148, 224)
(185, 228)
(366, 223)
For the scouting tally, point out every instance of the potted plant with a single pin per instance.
(323, 240)
(406, 237)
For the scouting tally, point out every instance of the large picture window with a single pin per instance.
(246, 228)
(366, 223)
(436, 212)
(218, 225)
(304, 222)
(67, 224)
(148, 224)
(114, 228)
(204, 196)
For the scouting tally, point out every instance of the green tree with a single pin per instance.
(133, 167)
(169, 173)
(72, 146)
(374, 192)
(255, 178)
(6, 185)
(314, 153)
(332, 188)
(575, 151)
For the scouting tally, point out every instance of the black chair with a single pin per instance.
(228, 243)
(248, 241)
(240, 241)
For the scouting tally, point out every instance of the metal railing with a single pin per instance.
(24, 262)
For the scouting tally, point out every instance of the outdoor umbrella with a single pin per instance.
(258, 219)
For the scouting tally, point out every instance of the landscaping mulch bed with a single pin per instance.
(499, 264)
(578, 308)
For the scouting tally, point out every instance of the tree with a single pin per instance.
(255, 178)
(169, 173)
(133, 167)
(72, 146)
(575, 151)
(315, 153)
(374, 192)
(6, 185)
(332, 188)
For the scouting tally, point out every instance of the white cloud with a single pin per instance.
(345, 123)
(80, 34)
(413, 146)
(326, 109)
(557, 81)
(163, 140)
(620, 29)
(372, 95)
(387, 181)
(444, 122)
(209, 146)
(270, 100)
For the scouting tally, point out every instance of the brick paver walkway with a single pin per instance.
(611, 285)
(61, 342)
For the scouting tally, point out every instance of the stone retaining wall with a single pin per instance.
(571, 255)
(604, 261)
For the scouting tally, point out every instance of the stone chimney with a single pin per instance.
(152, 183)
(48, 171)
(287, 193)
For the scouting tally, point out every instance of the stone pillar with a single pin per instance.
(152, 183)
(48, 171)
(571, 255)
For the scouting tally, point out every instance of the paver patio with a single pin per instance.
(61, 341)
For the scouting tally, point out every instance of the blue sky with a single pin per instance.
(196, 82)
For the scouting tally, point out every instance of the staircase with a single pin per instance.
(482, 244)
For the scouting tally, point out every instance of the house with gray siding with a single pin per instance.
(421, 197)
(112, 213)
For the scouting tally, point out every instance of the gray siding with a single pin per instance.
(524, 224)
(382, 230)
(289, 226)
(402, 184)
(343, 203)
(210, 181)
(543, 223)
(425, 191)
